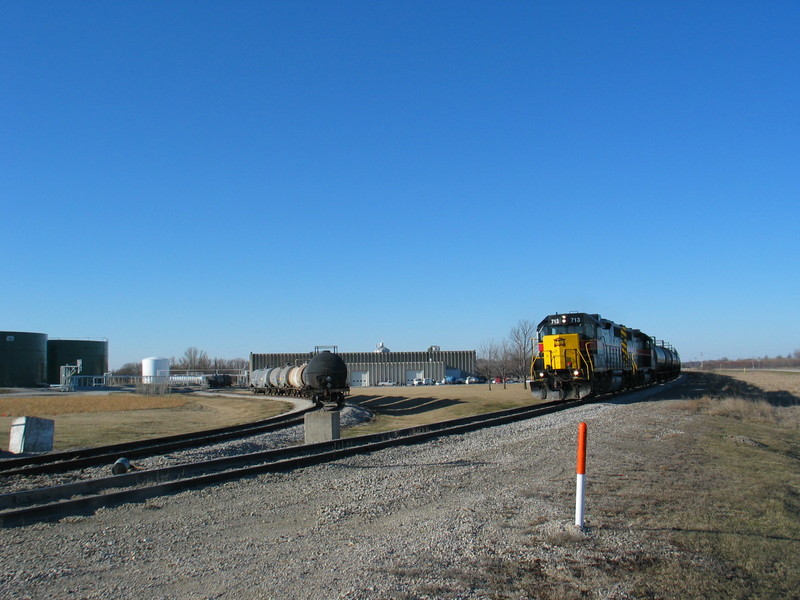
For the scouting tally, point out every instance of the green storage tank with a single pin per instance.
(23, 359)
(93, 353)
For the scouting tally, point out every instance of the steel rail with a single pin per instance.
(87, 496)
(69, 460)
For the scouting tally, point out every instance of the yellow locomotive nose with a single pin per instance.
(560, 351)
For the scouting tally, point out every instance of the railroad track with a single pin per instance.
(74, 460)
(84, 497)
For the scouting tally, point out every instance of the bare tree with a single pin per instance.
(521, 347)
(193, 359)
(505, 361)
(495, 360)
(486, 361)
(230, 364)
(129, 369)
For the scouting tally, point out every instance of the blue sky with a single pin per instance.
(270, 176)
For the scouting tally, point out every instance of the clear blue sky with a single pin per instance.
(270, 176)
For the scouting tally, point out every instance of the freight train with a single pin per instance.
(582, 355)
(323, 380)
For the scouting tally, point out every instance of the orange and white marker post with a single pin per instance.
(580, 490)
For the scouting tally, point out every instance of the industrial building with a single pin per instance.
(31, 360)
(383, 366)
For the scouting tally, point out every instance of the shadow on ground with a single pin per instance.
(401, 406)
(699, 384)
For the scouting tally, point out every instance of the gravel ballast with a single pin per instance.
(290, 436)
(458, 517)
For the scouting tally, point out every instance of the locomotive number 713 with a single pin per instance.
(564, 319)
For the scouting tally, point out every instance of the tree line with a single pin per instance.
(193, 359)
(509, 358)
(790, 361)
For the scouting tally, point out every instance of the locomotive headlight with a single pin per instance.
(576, 373)
(541, 374)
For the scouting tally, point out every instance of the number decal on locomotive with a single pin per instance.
(565, 319)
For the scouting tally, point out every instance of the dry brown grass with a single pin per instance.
(96, 420)
(62, 404)
(767, 381)
(398, 407)
(754, 396)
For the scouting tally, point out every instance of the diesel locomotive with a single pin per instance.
(323, 380)
(582, 355)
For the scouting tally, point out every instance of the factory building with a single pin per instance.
(383, 366)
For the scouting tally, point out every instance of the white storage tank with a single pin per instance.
(155, 369)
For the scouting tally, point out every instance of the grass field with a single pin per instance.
(726, 495)
(397, 407)
(95, 420)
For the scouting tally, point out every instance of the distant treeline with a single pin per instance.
(778, 362)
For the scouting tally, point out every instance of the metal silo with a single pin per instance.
(155, 369)
(93, 354)
(23, 359)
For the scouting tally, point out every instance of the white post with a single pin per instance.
(580, 489)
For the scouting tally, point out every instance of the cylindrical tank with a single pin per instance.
(155, 369)
(666, 359)
(23, 359)
(661, 357)
(326, 371)
(283, 376)
(92, 353)
(258, 378)
(272, 376)
(296, 377)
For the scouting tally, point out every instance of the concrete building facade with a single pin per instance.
(383, 367)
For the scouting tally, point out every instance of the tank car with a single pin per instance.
(215, 382)
(582, 355)
(323, 380)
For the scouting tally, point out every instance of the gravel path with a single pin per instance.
(461, 517)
